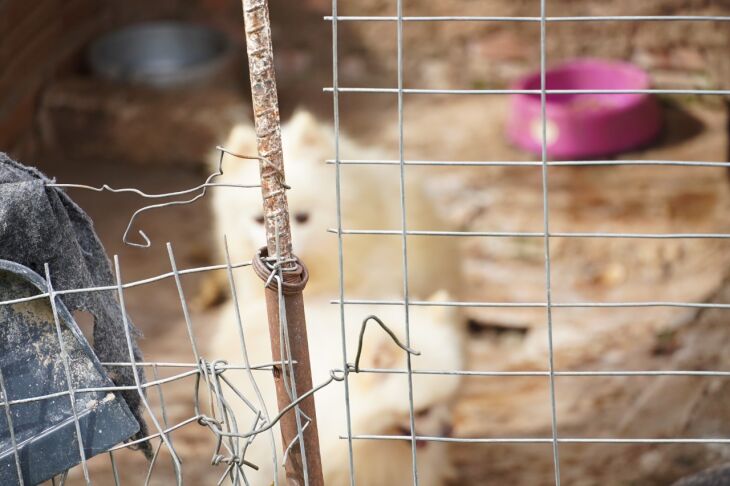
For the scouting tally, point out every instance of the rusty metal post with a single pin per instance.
(276, 214)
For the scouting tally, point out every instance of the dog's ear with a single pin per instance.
(440, 296)
(304, 128)
(378, 352)
(378, 348)
(241, 140)
(442, 314)
(387, 354)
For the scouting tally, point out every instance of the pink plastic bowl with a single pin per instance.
(585, 125)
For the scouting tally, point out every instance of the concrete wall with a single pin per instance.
(35, 39)
(40, 39)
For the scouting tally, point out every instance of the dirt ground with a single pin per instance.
(86, 132)
(485, 199)
(611, 199)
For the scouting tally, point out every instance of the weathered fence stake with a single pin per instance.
(276, 214)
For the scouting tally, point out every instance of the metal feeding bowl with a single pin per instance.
(160, 54)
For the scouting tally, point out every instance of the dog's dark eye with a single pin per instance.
(301, 218)
(422, 413)
(259, 219)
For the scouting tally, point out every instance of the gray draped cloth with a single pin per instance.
(717, 476)
(39, 225)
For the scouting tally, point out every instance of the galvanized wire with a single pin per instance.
(67, 372)
(505, 91)
(223, 422)
(546, 230)
(340, 242)
(478, 18)
(546, 234)
(211, 371)
(404, 238)
(232, 437)
(549, 163)
(11, 429)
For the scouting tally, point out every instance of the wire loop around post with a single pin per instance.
(294, 271)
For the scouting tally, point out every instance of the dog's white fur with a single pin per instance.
(370, 199)
(379, 401)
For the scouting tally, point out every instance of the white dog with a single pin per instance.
(370, 199)
(379, 402)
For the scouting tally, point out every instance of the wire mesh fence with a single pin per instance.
(240, 416)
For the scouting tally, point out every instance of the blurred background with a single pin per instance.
(82, 124)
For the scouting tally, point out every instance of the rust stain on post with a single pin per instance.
(276, 213)
(292, 293)
(268, 127)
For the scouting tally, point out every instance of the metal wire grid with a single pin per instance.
(220, 418)
(551, 373)
(164, 429)
(231, 451)
(232, 441)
